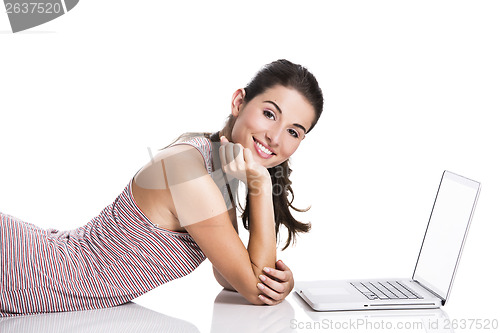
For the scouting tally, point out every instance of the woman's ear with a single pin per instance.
(237, 101)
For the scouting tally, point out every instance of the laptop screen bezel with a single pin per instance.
(444, 294)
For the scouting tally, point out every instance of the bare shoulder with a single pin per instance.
(176, 163)
(166, 188)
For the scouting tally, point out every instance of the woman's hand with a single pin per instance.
(239, 163)
(276, 283)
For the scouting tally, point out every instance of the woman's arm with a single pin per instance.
(238, 162)
(276, 283)
(262, 234)
(202, 211)
(218, 276)
(220, 279)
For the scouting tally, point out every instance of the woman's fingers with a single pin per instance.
(247, 153)
(273, 292)
(277, 286)
(238, 155)
(268, 300)
(278, 274)
(281, 266)
(222, 156)
(269, 296)
(232, 159)
(238, 162)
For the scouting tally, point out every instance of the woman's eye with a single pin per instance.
(293, 133)
(269, 114)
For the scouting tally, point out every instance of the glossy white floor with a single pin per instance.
(195, 304)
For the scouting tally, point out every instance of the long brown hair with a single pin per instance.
(285, 73)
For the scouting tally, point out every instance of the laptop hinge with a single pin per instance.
(432, 292)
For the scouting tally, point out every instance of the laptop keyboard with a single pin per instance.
(385, 290)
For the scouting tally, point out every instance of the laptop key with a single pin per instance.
(404, 290)
(376, 291)
(385, 290)
(360, 287)
(398, 294)
(370, 295)
(365, 291)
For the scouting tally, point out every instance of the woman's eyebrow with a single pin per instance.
(279, 110)
(275, 105)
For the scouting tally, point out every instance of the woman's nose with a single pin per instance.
(273, 136)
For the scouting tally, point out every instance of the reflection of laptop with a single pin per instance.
(436, 265)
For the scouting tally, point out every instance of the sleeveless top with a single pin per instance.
(119, 255)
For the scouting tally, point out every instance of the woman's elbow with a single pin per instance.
(250, 297)
(254, 297)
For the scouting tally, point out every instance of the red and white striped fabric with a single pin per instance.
(116, 257)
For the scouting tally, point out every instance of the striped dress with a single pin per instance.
(119, 255)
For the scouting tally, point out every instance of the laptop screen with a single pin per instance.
(446, 233)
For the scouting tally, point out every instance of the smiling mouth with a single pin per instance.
(262, 150)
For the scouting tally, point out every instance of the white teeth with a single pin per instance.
(264, 149)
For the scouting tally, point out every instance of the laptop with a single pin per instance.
(436, 266)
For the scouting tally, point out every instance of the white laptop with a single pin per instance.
(436, 265)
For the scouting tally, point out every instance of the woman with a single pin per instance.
(178, 210)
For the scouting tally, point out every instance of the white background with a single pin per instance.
(411, 88)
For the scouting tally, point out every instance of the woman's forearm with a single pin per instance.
(262, 239)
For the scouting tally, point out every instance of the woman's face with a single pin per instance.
(272, 124)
